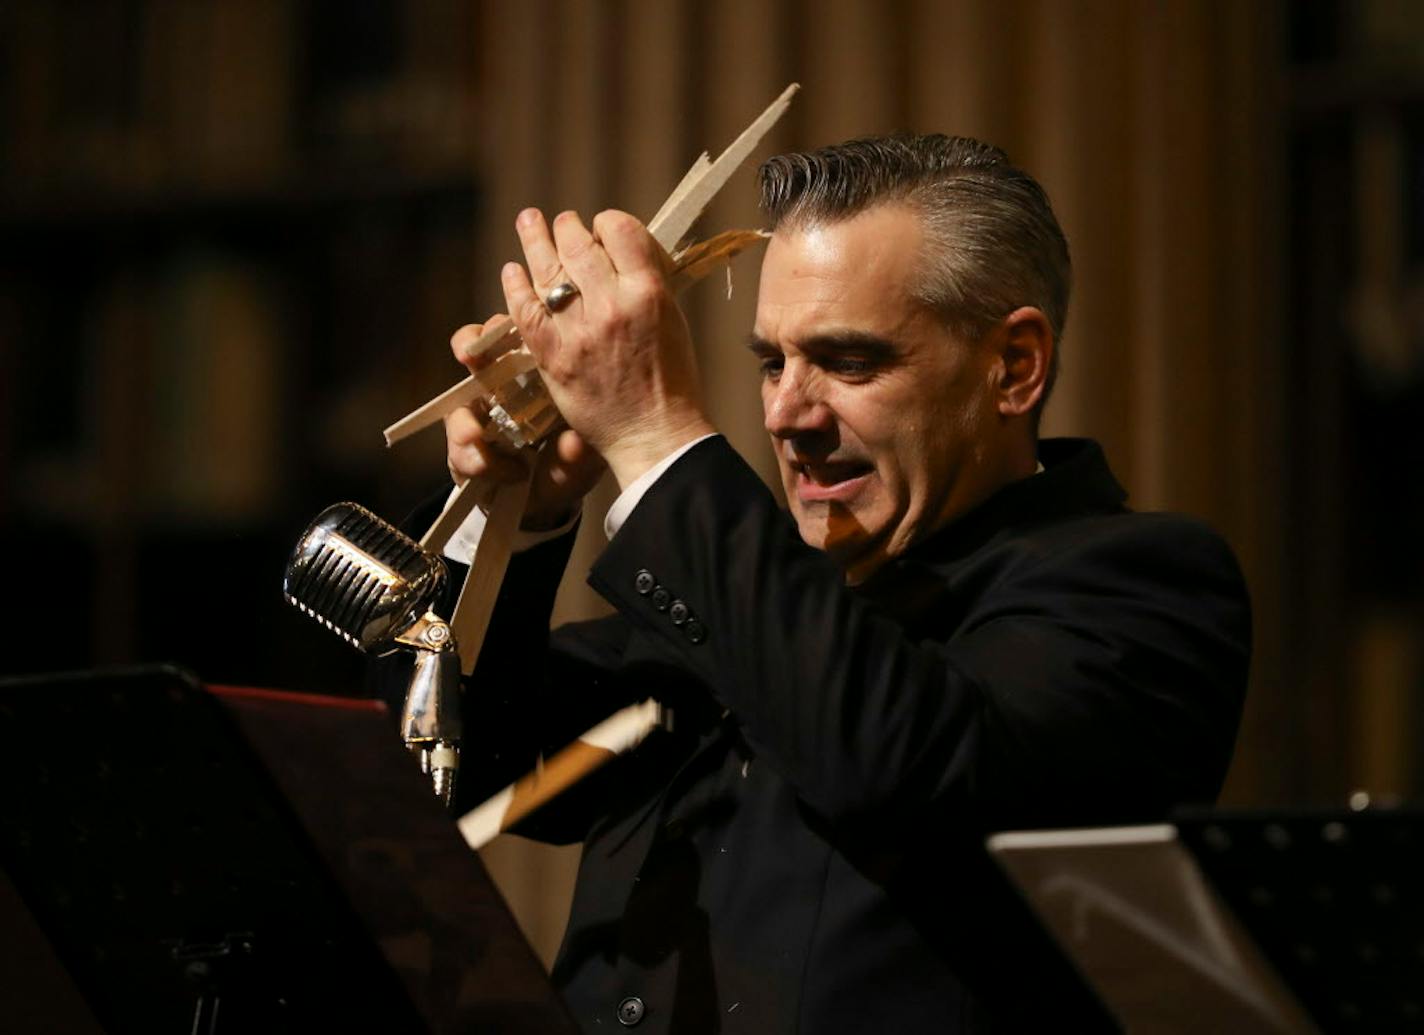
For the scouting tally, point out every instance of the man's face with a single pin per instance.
(881, 418)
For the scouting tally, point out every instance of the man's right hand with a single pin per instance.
(567, 468)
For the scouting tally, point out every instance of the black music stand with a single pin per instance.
(1286, 922)
(1334, 899)
(240, 861)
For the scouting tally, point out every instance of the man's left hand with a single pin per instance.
(617, 358)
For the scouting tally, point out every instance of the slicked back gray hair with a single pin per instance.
(992, 243)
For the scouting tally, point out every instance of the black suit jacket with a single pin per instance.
(803, 852)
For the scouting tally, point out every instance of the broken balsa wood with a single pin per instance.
(501, 339)
(693, 194)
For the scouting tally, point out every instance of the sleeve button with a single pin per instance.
(630, 1011)
(661, 598)
(694, 631)
(678, 612)
(644, 582)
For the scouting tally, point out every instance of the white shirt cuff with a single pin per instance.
(461, 545)
(630, 497)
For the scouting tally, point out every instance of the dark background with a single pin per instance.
(234, 238)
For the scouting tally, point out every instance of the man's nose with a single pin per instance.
(793, 404)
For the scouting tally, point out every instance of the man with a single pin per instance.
(961, 629)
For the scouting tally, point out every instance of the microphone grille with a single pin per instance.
(360, 576)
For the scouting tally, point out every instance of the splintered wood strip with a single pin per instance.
(470, 620)
(512, 363)
(620, 732)
(457, 395)
(678, 218)
(497, 814)
(690, 265)
(689, 179)
(529, 408)
(457, 508)
(496, 338)
(696, 261)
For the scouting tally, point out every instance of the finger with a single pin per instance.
(462, 428)
(571, 448)
(540, 253)
(628, 245)
(464, 339)
(583, 258)
(527, 310)
(565, 453)
(470, 455)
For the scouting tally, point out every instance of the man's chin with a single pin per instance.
(836, 532)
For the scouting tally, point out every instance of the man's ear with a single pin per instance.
(1026, 345)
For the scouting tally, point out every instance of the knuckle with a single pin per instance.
(560, 367)
(608, 318)
(617, 220)
(464, 337)
(577, 248)
(463, 425)
(606, 222)
(645, 290)
(532, 313)
(460, 459)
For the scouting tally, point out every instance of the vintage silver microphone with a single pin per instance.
(367, 580)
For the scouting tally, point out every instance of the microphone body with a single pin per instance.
(369, 582)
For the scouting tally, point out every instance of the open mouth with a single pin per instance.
(819, 481)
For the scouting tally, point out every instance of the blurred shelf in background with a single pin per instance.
(234, 238)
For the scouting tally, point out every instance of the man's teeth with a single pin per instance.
(829, 475)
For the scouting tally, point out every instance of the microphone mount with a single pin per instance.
(373, 585)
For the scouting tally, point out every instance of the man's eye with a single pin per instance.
(771, 366)
(851, 366)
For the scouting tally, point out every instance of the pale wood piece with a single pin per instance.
(689, 178)
(471, 616)
(696, 261)
(620, 732)
(688, 201)
(690, 265)
(457, 508)
(486, 382)
(678, 218)
(556, 775)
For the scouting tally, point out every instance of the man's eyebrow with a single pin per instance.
(847, 340)
(850, 340)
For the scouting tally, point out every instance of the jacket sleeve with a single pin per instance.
(1098, 680)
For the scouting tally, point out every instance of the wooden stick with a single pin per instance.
(696, 261)
(622, 731)
(470, 620)
(690, 265)
(691, 197)
(678, 218)
(693, 174)
(457, 508)
(486, 382)
(471, 617)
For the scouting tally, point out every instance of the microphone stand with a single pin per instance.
(430, 720)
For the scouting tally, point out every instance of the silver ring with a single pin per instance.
(560, 296)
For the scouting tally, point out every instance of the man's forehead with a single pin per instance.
(890, 228)
(849, 274)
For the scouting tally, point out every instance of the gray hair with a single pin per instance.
(992, 241)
